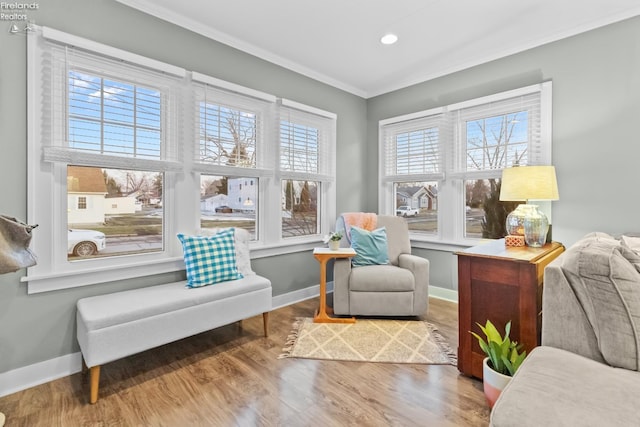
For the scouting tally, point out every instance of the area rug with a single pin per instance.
(369, 340)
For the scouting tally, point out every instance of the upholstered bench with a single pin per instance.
(116, 325)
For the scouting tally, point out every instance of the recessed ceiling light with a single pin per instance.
(389, 39)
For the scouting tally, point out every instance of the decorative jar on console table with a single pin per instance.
(500, 283)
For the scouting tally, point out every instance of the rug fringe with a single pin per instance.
(443, 344)
(290, 343)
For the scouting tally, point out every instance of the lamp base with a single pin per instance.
(515, 219)
(536, 226)
(531, 223)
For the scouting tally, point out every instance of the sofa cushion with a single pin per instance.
(241, 240)
(632, 255)
(381, 278)
(370, 246)
(554, 387)
(210, 260)
(632, 242)
(117, 308)
(607, 287)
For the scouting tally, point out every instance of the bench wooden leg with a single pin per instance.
(265, 319)
(95, 382)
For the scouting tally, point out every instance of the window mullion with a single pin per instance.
(135, 121)
(102, 116)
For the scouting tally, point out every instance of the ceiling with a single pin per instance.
(337, 41)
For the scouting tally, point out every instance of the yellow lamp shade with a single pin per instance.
(529, 183)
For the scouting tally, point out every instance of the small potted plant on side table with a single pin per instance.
(333, 239)
(502, 361)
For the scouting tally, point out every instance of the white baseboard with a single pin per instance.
(293, 297)
(39, 373)
(297, 296)
(69, 364)
(443, 293)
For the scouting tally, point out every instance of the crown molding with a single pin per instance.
(420, 76)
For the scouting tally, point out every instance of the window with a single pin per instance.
(128, 227)
(306, 167)
(418, 202)
(217, 208)
(231, 133)
(82, 202)
(113, 117)
(413, 169)
(99, 122)
(441, 168)
(113, 181)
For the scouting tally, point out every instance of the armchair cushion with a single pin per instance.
(370, 246)
(382, 278)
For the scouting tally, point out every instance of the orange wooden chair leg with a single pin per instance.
(95, 382)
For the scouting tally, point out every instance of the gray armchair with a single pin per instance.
(397, 289)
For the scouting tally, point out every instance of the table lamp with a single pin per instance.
(524, 183)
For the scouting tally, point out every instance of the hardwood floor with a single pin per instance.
(232, 377)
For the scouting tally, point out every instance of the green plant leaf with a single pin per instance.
(492, 333)
(503, 354)
(481, 342)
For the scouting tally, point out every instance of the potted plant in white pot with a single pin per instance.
(502, 361)
(333, 239)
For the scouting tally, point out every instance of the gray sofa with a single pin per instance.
(586, 371)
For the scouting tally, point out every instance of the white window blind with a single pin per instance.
(495, 134)
(412, 149)
(307, 148)
(231, 128)
(108, 112)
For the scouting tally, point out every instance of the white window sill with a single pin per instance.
(72, 279)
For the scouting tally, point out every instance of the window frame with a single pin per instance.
(324, 122)
(451, 192)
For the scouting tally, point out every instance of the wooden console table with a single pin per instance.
(323, 255)
(501, 284)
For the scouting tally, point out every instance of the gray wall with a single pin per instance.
(41, 327)
(596, 111)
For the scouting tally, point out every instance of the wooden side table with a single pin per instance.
(323, 255)
(501, 284)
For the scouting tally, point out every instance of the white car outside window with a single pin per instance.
(84, 243)
(407, 211)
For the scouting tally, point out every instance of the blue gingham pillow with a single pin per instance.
(210, 259)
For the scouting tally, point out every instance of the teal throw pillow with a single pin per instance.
(210, 259)
(370, 246)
